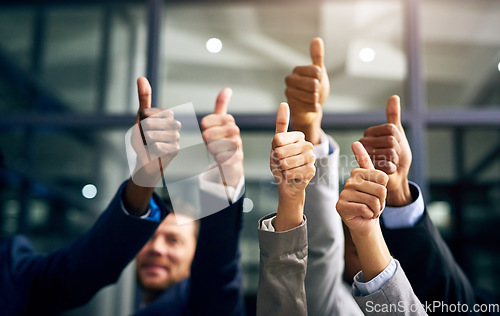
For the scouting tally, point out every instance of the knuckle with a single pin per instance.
(316, 72)
(392, 128)
(315, 84)
(283, 164)
(206, 134)
(314, 97)
(392, 140)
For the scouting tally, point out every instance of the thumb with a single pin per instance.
(393, 111)
(144, 92)
(222, 101)
(362, 156)
(282, 118)
(317, 51)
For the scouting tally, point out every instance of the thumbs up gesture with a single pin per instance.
(292, 165)
(155, 138)
(391, 153)
(363, 198)
(222, 135)
(360, 205)
(307, 89)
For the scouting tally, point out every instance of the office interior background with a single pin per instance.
(68, 95)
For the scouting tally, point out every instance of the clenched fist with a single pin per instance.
(223, 139)
(155, 138)
(292, 165)
(307, 89)
(391, 153)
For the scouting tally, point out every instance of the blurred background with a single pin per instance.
(68, 95)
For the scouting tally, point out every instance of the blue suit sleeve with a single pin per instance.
(69, 277)
(216, 276)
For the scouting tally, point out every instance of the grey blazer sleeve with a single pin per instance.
(326, 292)
(396, 297)
(282, 270)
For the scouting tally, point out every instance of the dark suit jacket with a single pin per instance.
(429, 265)
(36, 284)
(215, 284)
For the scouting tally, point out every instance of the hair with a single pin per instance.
(186, 209)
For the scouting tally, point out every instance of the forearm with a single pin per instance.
(215, 270)
(400, 195)
(136, 198)
(373, 253)
(311, 131)
(282, 270)
(102, 253)
(290, 212)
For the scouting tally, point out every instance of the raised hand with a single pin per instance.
(292, 165)
(360, 205)
(223, 139)
(363, 198)
(155, 138)
(391, 153)
(307, 89)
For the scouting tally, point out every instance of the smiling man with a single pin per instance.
(166, 259)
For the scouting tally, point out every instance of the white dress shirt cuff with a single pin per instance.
(208, 184)
(321, 150)
(126, 212)
(405, 216)
(362, 288)
(267, 225)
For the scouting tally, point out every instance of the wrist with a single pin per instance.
(231, 175)
(374, 256)
(136, 198)
(311, 127)
(400, 196)
(289, 214)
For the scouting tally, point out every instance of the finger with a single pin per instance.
(220, 132)
(297, 161)
(311, 71)
(388, 129)
(218, 146)
(393, 111)
(160, 124)
(222, 101)
(386, 166)
(303, 96)
(352, 209)
(283, 139)
(371, 175)
(155, 113)
(212, 120)
(361, 155)
(161, 136)
(317, 51)
(375, 143)
(302, 83)
(229, 156)
(158, 150)
(282, 118)
(375, 189)
(292, 149)
(144, 92)
(303, 173)
(373, 202)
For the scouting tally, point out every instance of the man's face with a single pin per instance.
(166, 259)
